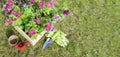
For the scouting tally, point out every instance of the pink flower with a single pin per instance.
(32, 1)
(14, 12)
(41, 4)
(48, 26)
(10, 3)
(8, 21)
(32, 32)
(38, 20)
(51, 3)
(19, 15)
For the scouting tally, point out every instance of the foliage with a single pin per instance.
(33, 15)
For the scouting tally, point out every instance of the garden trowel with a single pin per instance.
(47, 43)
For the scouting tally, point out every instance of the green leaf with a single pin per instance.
(32, 23)
(15, 7)
(27, 28)
(17, 22)
(62, 17)
(28, 13)
(34, 37)
(37, 0)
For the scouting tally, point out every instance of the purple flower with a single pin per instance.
(8, 21)
(57, 17)
(41, 4)
(38, 20)
(7, 9)
(54, 29)
(26, 5)
(66, 12)
(32, 1)
(32, 32)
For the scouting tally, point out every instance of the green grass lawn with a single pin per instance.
(93, 29)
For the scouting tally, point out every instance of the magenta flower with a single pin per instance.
(32, 32)
(38, 20)
(8, 21)
(41, 4)
(19, 15)
(51, 3)
(48, 26)
(7, 9)
(57, 17)
(66, 12)
(32, 1)
(10, 3)
(14, 12)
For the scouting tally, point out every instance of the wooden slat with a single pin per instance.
(24, 34)
(33, 42)
(39, 37)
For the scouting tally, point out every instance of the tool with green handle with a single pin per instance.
(59, 37)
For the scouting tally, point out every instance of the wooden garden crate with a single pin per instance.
(33, 42)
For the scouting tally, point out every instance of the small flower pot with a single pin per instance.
(13, 40)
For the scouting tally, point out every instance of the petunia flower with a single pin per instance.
(14, 12)
(19, 15)
(32, 32)
(48, 26)
(66, 12)
(57, 17)
(8, 21)
(26, 5)
(51, 3)
(7, 9)
(54, 29)
(38, 20)
(41, 4)
(32, 1)
(48, 23)
(10, 3)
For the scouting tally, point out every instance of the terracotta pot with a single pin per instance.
(13, 40)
